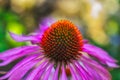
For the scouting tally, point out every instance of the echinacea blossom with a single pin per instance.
(58, 52)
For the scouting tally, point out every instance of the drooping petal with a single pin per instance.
(36, 73)
(15, 53)
(45, 24)
(17, 50)
(112, 64)
(42, 28)
(20, 65)
(83, 71)
(74, 74)
(22, 38)
(48, 71)
(95, 69)
(10, 59)
(99, 54)
(63, 74)
(19, 73)
(55, 77)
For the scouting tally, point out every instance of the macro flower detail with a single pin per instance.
(58, 52)
(62, 41)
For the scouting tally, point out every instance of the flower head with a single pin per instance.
(62, 41)
(60, 53)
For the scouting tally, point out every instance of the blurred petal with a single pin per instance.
(22, 38)
(45, 24)
(27, 61)
(74, 74)
(85, 41)
(100, 54)
(63, 75)
(13, 54)
(21, 71)
(47, 73)
(17, 50)
(95, 69)
(82, 71)
(55, 77)
(36, 73)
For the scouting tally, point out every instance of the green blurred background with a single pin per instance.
(98, 20)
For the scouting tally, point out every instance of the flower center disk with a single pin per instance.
(62, 41)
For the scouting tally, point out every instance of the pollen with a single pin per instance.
(62, 41)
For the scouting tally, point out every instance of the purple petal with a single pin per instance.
(85, 41)
(113, 65)
(36, 73)
(19, 73)
(22, 38)
(43, 28)
(47, 73)
(17, 50)
(63, 75)
(96, 70)
(3, 63)
(82, 71)
(20, 65)
(100, 54)
(55, 77)
(74, 74)
(12, 54)
(45, 24)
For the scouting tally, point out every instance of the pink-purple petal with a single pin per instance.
(82, 72)
(43, 28)
(17, 66)
(85, 41)
(100, 54)
(63, 75)
(22, 38)
(3, 63)
(21, 71)
(48, 71)
(55, 77)
(74, 74)
(44, 25)
(36, 73)
(113, 65)
(98, 71)
(13, 54)
(17, 50)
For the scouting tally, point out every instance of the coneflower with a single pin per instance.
(59, 53)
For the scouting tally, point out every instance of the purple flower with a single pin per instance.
(58, 52)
